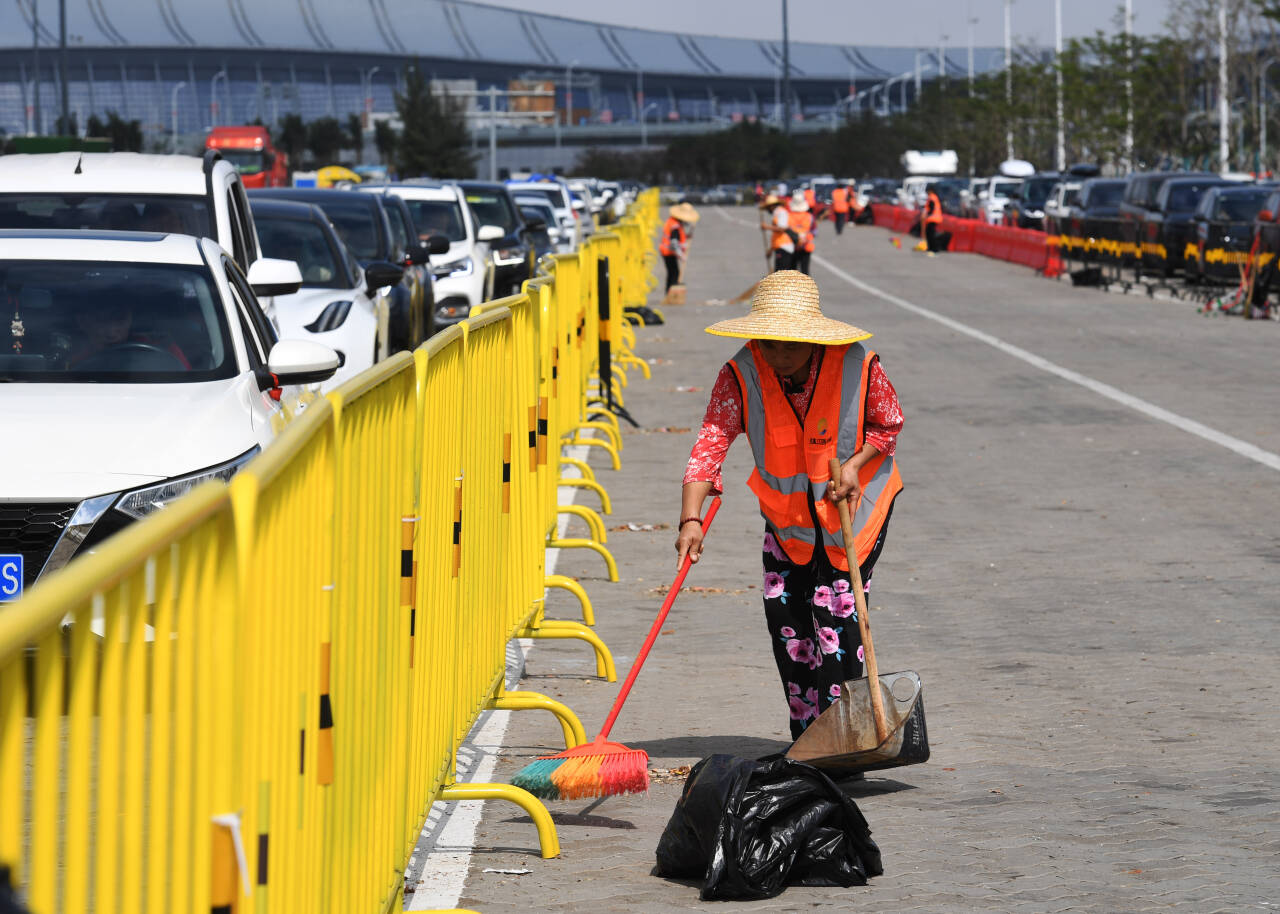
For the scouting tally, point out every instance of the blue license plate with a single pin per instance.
(10, 577)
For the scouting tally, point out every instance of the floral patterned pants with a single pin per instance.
(813, 620)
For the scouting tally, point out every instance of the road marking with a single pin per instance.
(443, 856)
(1191, 426)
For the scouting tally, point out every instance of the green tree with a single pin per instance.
(125, 136)
(386, 139)
(434, 140)
(355, 136)
(291, 136)
(325, 137)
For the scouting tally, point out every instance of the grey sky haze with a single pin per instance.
(909, 23)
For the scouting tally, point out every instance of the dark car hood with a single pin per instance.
(1102, 212)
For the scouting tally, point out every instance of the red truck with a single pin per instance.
(249, 149)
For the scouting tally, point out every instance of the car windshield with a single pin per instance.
(353, 221)
(553, 195)
(304, 243)
(438, 217)
(1004, 188)
(493, 208)
(1071, 196)
(175, 214)
(114, 323)
(1106, 194)
(1037, 190)
(1240, 207)
(1183, 198)
(246, 161)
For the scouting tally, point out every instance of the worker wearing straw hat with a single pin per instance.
(674, 246)
(774, 220)
(804, 389)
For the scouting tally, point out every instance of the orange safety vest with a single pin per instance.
(933, 210)
(672, 224)
(780, 236)
(810, 197)
(802, 225)
(791, 475)
(840, 200)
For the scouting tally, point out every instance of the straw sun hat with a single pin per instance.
(799, 204)
(786, 307)
(685, 212)
(770, 200)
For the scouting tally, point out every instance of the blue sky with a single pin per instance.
(909, 23)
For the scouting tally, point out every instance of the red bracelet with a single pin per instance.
(697, 520)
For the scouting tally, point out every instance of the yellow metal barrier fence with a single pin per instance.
(250, 700)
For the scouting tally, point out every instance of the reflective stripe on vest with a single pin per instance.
(790, 478)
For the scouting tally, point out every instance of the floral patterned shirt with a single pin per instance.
(723, 420)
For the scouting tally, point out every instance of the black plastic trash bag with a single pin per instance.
(750, 828)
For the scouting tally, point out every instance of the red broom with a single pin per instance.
(601, 768)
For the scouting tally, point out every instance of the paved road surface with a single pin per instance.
(1085, 582)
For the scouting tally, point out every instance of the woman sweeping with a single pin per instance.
(674, 246)
(803, 389)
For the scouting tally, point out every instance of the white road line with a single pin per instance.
(443, 857)
(1191, 426)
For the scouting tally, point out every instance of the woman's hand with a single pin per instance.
(689, 542)
(847, 486)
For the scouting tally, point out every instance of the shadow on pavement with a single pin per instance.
(698, 747)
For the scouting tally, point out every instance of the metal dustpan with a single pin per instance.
(866, 728)
(844, 739)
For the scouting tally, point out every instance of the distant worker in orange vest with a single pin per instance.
(776, 221)
(803, 389)
(674, 246)
(933, 235)
(802, 225)
(840, 207)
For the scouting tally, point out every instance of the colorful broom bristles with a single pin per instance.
(596, 769)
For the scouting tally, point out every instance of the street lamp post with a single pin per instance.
(366, 84)
(213, 97)
(1262, 116)
(644, 122)
(1008, 73)
(1057, 65)
(970, 21)
(942, 56)
(568, 93)
(1224, 114)
(1128, 86)
(173, 110)
(786, 72)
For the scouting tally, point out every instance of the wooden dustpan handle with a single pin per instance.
(864, 622)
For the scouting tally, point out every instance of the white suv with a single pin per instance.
(134, 366)
(439, 210)
(129, 191)
(557, 193)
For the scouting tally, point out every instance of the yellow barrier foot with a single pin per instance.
(603, 413)
(597, 442)
(588, 544)
(561, 628)
(569, 584)
(644, 366)
(548, 840)
(594, 520)
(605, 505)
(582, 466)
(574, 735)
(610, 429)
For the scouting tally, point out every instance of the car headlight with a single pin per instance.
(331, 318)
(141, 502)
(463, 267)
(505, 257)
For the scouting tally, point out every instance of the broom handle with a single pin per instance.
(657, 624)
(864, 623)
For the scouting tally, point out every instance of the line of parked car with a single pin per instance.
(162, 325)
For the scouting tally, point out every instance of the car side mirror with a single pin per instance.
(380, 274)
(437, 244)
(301, 362)
(417, 253)
(270, 276)
(1266, 216)
(535, 225)
(490, 233)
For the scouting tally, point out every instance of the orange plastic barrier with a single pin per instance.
(1026, 247)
